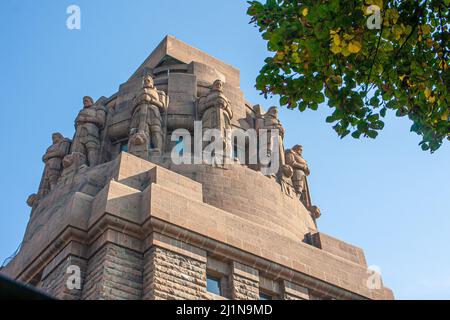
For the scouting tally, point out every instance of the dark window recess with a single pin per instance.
(213, 285)
(124, 146)
(264, 296)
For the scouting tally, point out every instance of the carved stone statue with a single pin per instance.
(146, 132)
(33, 200)
(73, 162)
(88, 124)
(284, 178)
(215, 111)
(270, 122)
(315, 212)
(301, 171)
(53, 159)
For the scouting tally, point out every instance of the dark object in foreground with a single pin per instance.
(13, 290)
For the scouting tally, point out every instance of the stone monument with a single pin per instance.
(301, 171)
(117, 218)
(146, 133)
(215, 112)
(88, 124)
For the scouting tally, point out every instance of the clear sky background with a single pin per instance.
(384, 195)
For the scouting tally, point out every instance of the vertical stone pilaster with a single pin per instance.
(244, 282)
(173, 276)
(55, 279)
(114, 272)
(173, 270)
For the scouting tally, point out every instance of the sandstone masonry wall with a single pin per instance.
(169, 275)
(114, 272)
(55, 282)
(148, 235)
(245, 282)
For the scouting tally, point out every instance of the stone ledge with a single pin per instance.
(245, 271)
(179, 247)
(338, 248)
(295, 290)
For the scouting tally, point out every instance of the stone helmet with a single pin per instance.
(297, 147)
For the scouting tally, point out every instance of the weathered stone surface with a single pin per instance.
(146, 132)
(114, 272)
(169, 275)
(88, 124)
(184, 53)
(141, 229)
(53, 159)
(245, 282)
(55, 282)
(214, 110)
(294, 292)
(301, 171)
(122, 217)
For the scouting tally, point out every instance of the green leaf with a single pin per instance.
(319, 97)
(314, 106)
(284, 100)
(372, 134)
(374, 101)
(320, 31)
(425, 146)
(356, 134)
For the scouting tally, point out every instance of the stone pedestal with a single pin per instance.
(148, 234)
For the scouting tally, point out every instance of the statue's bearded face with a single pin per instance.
(217, 85)
(87, 102)
(148, 82)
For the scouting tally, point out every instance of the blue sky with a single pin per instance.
(384, 195)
